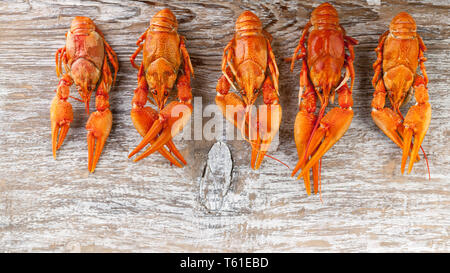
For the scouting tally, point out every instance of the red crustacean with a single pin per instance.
(85, 58)
(400, 51)
(164, 52)
(249, 66)
(322, 51)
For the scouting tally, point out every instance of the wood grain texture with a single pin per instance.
(56, 205)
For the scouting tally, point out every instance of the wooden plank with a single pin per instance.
(56, 205)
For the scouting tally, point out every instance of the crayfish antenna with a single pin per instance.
(86, 106)
(276, 159)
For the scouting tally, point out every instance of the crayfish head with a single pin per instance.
(250, 94)
(403, 26)
(160, 95)
(164, 20)
(160, 86)
(325, 14)
(248, 21)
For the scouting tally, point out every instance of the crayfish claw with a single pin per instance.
(307, 182)
(406, 146)
(170, 122)
(304, 124)
(255, 154)
(416, 125)
(162, 139)
(390, 123)
(94, 157)
(332, 127)
(62, 134)
(143, 120)
(98, 126)
(151, 134)
(175, 151)
(269, 120)
(61, 115)
(316, 177)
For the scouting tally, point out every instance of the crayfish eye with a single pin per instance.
(154, 92)
(166, 93)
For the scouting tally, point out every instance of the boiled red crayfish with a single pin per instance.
(85, 58)
(322, 51)
(249, 66)
(165, 61)
(400, 51)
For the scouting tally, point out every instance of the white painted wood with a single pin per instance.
(48, 205)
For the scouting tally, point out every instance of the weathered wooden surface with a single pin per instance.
(48, 205)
